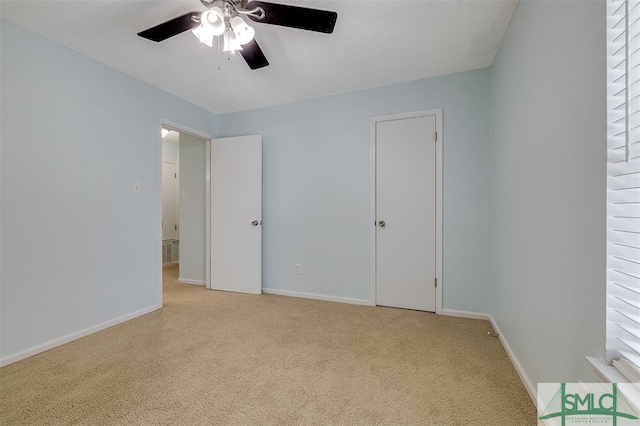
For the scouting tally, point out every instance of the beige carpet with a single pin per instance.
(223, 358)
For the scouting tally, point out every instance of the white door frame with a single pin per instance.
(437, 112)
(172, 125)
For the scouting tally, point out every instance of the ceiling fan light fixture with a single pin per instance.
(213, 20)
(230, 43)
(243, 32)
(204, 35)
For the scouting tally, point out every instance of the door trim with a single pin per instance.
(172, 125)
(437, 113)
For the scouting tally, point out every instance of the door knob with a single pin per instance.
(382, 223)
(255, 223)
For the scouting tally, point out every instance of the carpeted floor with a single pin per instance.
(223, 358)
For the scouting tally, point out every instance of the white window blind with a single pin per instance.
(623, 185)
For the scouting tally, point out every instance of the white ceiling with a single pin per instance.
(375, 43)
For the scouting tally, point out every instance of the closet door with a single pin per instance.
(406, 213)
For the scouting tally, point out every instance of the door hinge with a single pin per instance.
(436, 137)
(175, 176)
(435, 282)
(176, 227)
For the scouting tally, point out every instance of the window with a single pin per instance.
(623, 187)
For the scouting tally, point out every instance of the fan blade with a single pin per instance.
(252, 53)
(170, 28)
(322, 21)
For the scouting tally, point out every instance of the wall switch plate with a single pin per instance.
(137, 187)
(296, 269)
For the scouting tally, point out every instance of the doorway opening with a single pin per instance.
(184, 203)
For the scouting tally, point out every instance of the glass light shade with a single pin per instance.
(213, 20)
(244, 33)
(165, 132)
(230, 42)
(204, 35)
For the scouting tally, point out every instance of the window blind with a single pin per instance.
(623, 185)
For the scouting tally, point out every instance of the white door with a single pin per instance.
(406, 213)
(169, 202)
(236, 214)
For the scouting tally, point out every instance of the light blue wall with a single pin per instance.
(192, 209)
(316, 186)
(548, 160)
(78, 247)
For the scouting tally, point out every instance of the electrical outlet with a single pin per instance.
(296, 269)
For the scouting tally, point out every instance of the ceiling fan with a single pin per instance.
(223, 18)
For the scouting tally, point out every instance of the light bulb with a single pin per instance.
(243, 32)
(165, 132)
(213, 20)
(204, 35)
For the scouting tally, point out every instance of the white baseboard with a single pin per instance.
(74, 336)
(466, 314)
(531, 390)
(317, 296)
(194, 282)
(516, 364)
